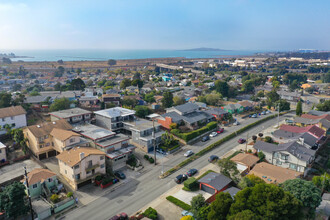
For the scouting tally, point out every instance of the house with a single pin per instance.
(39, 139)
(88, 101)
(145, 134)
(317, 113)
(155, 106)
(214, 183)
(218, 113)
(111, 98)
(187, 114)
(3, 153)
(158, 98)
(132, 89)
(41, 181)
(245, 162)
(114, 145)
(80, 165)
(113, 118)
(234, 108)
(273, 174)
(291, 155)
(63, 139)
(312, 129)
(289, 96)
(232, 191)
(41, 208)
(14, 116)
(73, 116)
(247, 105)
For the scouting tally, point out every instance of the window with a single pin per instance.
(0, 151)
(13, 125)
(293, 166)
(101, 157)
(284, 157)
(89, 172)
(102, 165)
(34, 186)
(65, 172)
(41, 146)
(278, 162)
(50, 180)
(46, 137)
(90, 163)
(71, 140)
(76, 167)
(3, 119)
(47, 144)
(78, 176)
(11, 117)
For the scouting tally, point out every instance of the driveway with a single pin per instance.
(186, 196)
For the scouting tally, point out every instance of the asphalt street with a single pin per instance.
(139, 191)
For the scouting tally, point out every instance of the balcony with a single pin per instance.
(89, 168)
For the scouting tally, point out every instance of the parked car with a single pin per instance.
(192, 172)
(241, 141)
(120, 175)
(221, 130)
(205, 138)
(213, 158)
(254, 116)
(213, 134)
(236, 123)
(268, 112)
(181, 178)
(185, 213)
(263, 113)
(188, 153)
(121, 216)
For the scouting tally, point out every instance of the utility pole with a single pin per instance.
(247, 137)
(153, 139)
(28, 190)
(278, 116)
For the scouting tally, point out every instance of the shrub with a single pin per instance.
(98, 178)
(191, 184)
(146, 157)
(54, 198)
(151, 160)
(69, 194)
(107, 180)
(150, 213)
(178, 202)
(176, 132)
(173, 126)
(268, 139)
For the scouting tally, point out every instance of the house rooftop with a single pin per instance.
(112, 140)
(273, 174)
(120, 152)
(187, 107)
(92, 131)
(246, 159)
(46, 128)
(2, 145)
(68, 113)
(39, 175)
(115, 112)
(232, 191)
(313, 129)
(141, 124)
(72, 156)
(62, 134)
(12, 111)
(216, 180)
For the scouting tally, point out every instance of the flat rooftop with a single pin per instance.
(140, 124)
(92, 131)
(70, 113)
(121, 152)
(113, 140)
(115, 112)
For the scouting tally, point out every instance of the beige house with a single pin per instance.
(39, 138)
(244, 162)
(3, 155)
(63, 139)
(81, 164)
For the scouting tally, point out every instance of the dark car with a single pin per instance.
(192, 172)
(213, 158)
(241, 141)
(121, 216)
(120, 175)
(221, 130)
(205, 138)
(181, 178)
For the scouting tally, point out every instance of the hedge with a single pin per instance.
(151, 213)
(191, 184)
(178, 202)
(190, 135)
(216, 144)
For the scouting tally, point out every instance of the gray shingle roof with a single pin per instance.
(325, 123)
(306, 121)
(317, 113)
(216, 180)
(216, 111)
(189, 118)
(232, 191)
(285, 134)
(187, 107)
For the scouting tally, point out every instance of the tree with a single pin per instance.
(129, 102)
(138, 83)
(284, 105)
(59, 72)
(203, 212)
(150, 97)
(197, 202)
(17, 87)
(60, 104)
(221, 87)
(260, 135)
(34, 92)
(261, 155)
(299, 108)
(112, 62)
(220, 206)
(89, 82)
(266, 201)
(249, 181)
(326, 77)
(305, 191)
(60, 62)
(77, 84)
(167, 100)
(276, 84)
(5, 100)
(125, 83)
(248, 86)
(78, 71)
(260, 94)
(322, 182)
(325, 106)
(254, 138)
(142, 111)
(57, 86)
(245, 215)
(177, 100)
(187, 217)
(268, 139)
(272, 97)
(12, 200)
(6, 60)
(213, 99)
(228, 168)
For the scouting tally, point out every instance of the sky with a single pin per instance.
(165, 24)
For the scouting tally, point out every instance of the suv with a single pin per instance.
(205, 138)
(120, 175)
(213, 158)
(181, 178)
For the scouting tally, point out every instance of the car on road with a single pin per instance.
(192, 172)
(241, 141)
(213, 158)
(185, 213)
(181, 178)
(213, 134)
(205, 138)
(188, 153)
(120, 175)
(121, 216)
(221, 130)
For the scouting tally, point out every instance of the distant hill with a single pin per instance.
(205, 49)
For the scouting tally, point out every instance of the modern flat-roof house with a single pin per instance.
(273, 174)
(111, 98)
(245, 162)
(80, 165)
(14, 116)
(113, 118)
(3, 153)
(88, 101)
(114, 145)
(187, 114)
(291, 155)
(73, 116)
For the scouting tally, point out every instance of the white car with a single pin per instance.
(236, 123)
(188, 153)
(213, 134)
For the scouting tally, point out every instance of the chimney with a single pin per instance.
(81, 155)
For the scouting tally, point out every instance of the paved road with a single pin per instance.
(138, 192)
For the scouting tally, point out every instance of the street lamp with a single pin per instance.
(28, 191)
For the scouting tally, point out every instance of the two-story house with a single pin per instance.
(187, 114)
(291, 155)
(40, 140)
(64, 139)
(80, 165)
(113, 118)
(73, 116)
(111, 98)
(14, 116)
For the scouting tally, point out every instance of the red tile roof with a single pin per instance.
(326, 116)
(312, 129)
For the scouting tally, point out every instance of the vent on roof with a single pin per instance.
(54, 122)
(38, 126)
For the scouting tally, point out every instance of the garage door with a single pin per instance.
(208, 189)
(52, 153)
(42, 156)
(84, 183)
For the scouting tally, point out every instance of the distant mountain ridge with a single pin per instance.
(205, 49)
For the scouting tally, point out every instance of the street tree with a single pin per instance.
(167, 100)
(299, 108)
(228, 168)
(197, 202)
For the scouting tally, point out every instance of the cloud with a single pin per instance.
(9, 7)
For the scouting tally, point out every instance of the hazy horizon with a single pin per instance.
(171, 25)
